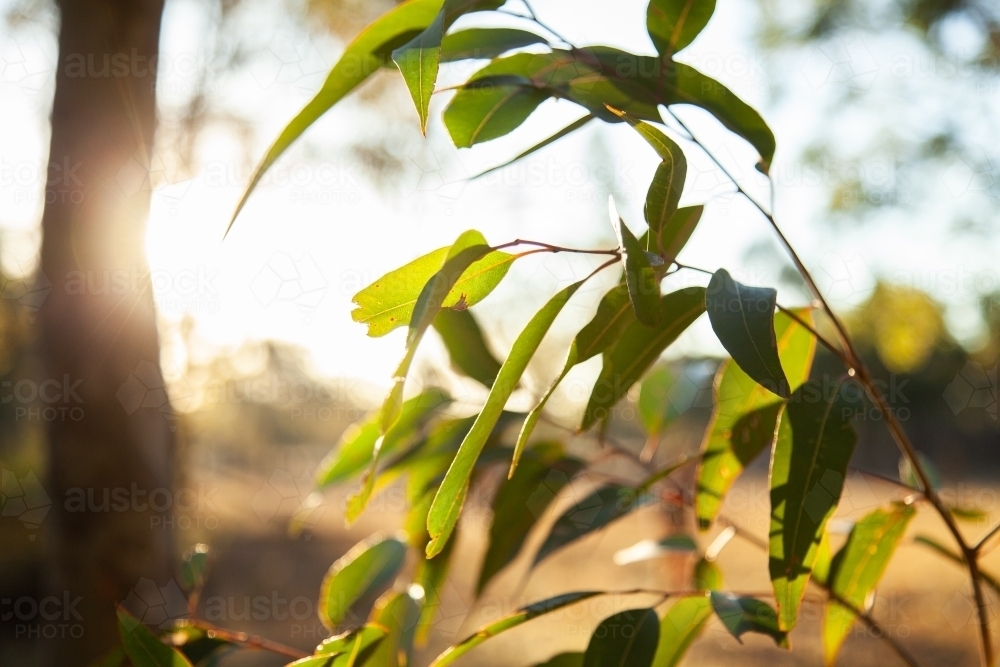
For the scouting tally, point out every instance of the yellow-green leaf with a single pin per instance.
(451, 495)
(857, 568)
(808, 470)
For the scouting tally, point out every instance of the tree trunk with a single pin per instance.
(98, 323)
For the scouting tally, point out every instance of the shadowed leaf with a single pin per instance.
(808, 470)
(625, 639)
(673, 24)
(741, 615)
(743, 319)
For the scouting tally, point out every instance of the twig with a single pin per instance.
(251, 641)
(556, 248)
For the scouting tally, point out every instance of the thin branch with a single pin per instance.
(985, 538)
(250, 641)
(556, 248)
(837, 352)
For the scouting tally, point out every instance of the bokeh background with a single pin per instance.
(887, 180)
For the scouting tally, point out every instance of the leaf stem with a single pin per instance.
(556, 248)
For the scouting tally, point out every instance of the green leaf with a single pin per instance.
(643, 286)
(368, 567)
(745, 416)
(638, 348)
(741, 615)
(495, 100)
(418, 61)
(397, 613)
(521, 616)
(485, 43)
(363, 57)
(389, 301)
(143, 648)
(857, 569)
(431, 574)
(614, 314)
(413, 415)
(357, 445)
(563, 660)
(572, 127)
(808, 469)
(314, 661)
(673, 24)
(668, 181)
(584, 517)
(743, 319)
(451, 495)
(625, 639)
(674, 234)
(466, 346)
(467, 249)
(685, 84)
(521, 501)
(680, 626)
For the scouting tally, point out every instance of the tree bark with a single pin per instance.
(98, 324)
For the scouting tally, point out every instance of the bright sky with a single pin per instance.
(320, 229)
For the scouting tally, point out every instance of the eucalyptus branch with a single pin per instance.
(250, 641)
(857, 368)
(556, 248)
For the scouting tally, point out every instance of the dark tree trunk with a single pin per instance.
(98, 323)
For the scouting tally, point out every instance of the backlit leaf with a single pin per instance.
(485, 43)
(397, 613)
(363, 57)
(389, 301)
(368, 567)
(808, 470)
(673, 24)
(745, 416)
(418, 61)
(625, 639)
(451, 495)
(857, 568)
(466, 346)
(680, 626)
(467, 249)
(143, 648)
(353, 642)
(614, 314)
(522, 615)
(741, 615)
(743, 319)
(627, 360)
(357, 444)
